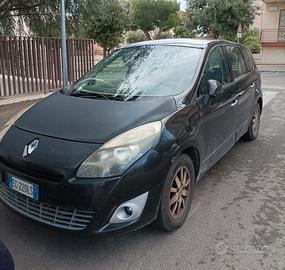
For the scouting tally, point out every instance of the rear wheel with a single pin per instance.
(177, 194)
(253, 128)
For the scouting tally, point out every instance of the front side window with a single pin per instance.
(215, 69)
(142, 71)
(236, 61)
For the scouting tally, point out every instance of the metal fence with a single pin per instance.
(30, 65)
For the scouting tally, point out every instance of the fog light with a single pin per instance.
(130, 210)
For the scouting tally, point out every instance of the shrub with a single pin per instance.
(135, 36)
(163, 35)
(251, 40)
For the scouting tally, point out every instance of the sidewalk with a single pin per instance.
(273, 81)
(22, 98)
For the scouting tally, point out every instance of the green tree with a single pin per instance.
(144, 15)
(135, 36)
(12, 9)
(106, 21)
(149, 14)
(164, 34)
(166, 14)
(46, 21)
(221, 18)
(183, 30)
(41, 16)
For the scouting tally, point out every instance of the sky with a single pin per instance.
(182, 4)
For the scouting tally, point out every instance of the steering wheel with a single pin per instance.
(95, 80)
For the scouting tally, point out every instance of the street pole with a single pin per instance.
(63, 45)
(239, 33)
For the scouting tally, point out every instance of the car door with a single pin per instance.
(244, 89)
(216, 124)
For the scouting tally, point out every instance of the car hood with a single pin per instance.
(91, 120)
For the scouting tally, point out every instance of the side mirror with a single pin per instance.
(215, 88)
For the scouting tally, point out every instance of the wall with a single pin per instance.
(270, 58)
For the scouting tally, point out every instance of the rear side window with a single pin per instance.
(236, 61)
(248, 58)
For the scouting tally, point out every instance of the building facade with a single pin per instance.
(271, 23)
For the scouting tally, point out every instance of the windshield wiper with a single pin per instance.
(96, 95)
(89, 95)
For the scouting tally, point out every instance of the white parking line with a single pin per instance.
(268, 96)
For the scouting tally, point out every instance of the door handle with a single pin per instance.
(253, 85)
(234, 103)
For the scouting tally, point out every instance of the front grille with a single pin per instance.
(39, 173)
(71, 219)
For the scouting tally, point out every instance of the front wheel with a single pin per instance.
(253, 128)
(177, 194)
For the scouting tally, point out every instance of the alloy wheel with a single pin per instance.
(255, 121)
(179, 192)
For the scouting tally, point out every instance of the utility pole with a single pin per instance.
(63, 45)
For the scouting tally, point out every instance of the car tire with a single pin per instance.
(253, 128)
(177, 194)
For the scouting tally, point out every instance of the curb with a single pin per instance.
(17, 99)
(270, 88)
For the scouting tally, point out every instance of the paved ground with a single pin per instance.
(8, 111)
(276, 80)
(237, 219)
(23, 98)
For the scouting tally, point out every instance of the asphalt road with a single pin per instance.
(237, 219)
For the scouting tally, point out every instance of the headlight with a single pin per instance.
(11, 122)
(117, 155)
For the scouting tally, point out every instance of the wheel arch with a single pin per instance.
(260, 102)
(194, 155)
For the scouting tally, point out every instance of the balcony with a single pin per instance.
(273, 1)
(273, 37)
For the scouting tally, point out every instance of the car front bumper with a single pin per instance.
(87, 204)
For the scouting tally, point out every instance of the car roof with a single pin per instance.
(188, 42)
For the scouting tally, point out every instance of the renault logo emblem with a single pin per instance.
(29, 148)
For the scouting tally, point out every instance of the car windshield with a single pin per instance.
(141, 71)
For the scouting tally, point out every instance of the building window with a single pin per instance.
(281, 30)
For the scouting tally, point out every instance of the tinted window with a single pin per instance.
(248, 58)
(215, 69)
(236, 61)
(133, 72)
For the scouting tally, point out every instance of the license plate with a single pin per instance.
(28, 189)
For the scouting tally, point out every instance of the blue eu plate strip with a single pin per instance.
(35, 192)
(10, 181)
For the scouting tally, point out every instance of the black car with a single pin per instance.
(124, 146)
